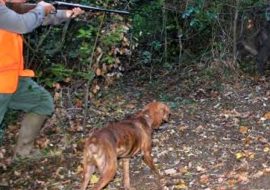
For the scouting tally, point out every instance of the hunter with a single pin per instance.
(17, 90)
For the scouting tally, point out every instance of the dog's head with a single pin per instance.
(158, 112)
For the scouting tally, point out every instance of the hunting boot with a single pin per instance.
(30, 128)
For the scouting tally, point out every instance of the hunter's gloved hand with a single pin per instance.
(49, 8)
(74, 12)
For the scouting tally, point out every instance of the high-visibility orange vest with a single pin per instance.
(11, 61)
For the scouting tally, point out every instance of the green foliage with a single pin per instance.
(86, 33)
(11, 117)
(112, 38)
(147, 29)
(78, 49)
(86, 75)
(199, 17)
(248, 3)
(56, 73)
(156, 45)
(108, 59)
(165, 32)
(147, 19)
(147, 57)
(171, 30)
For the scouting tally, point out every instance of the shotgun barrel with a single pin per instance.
(59, 5)
(65, 5)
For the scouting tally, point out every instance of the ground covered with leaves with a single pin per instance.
(217, 137)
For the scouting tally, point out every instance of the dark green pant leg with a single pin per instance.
(4, 102)
(30, 97)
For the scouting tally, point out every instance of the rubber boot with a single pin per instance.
(30, 128)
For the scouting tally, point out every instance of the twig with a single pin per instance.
(235, 34)
(38, 45)
(89, 68)
(164, 16)
(179, 35)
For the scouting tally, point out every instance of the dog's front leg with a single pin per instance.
(126, 179)
(149, 162)
(148, 159)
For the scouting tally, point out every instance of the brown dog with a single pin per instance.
(123, 140)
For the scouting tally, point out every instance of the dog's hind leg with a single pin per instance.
(107, 172)
(88, 170)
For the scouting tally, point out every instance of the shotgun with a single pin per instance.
(25, 7)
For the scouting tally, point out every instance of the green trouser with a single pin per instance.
(29, 97)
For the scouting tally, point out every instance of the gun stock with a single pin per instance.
(59, 5)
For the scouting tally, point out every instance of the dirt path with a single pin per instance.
(217, 138)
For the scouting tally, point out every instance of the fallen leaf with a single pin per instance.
(248, 140)
(239, 155)
(266, 149)
(40, 182)
(200, 169)
(181, 185)
(243, 129)
(249, 154)
(130, 106)
(57, 86)
(98, 72)
(243, 177)
(204, 179)
(94, 179)
(267, 116)
(232, 182)
(57, 96)
(79, 169)
(2, 153)
(17, 173)
(267, 169)
(67, 80)
(170, 171)
(182, 128)
(258, 174)
(96, 88)
(183, 170)
(78, 103)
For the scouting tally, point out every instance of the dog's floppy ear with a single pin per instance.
(166, 112)
(148, 119)
(149, 105)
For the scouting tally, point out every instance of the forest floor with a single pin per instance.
(218, 137)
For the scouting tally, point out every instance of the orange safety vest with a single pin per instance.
(11, 61)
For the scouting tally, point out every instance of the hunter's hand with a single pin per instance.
(74, 12)
(49, 8)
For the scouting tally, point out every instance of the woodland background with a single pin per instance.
(174, 35)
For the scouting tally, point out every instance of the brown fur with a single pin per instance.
(123, 140)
